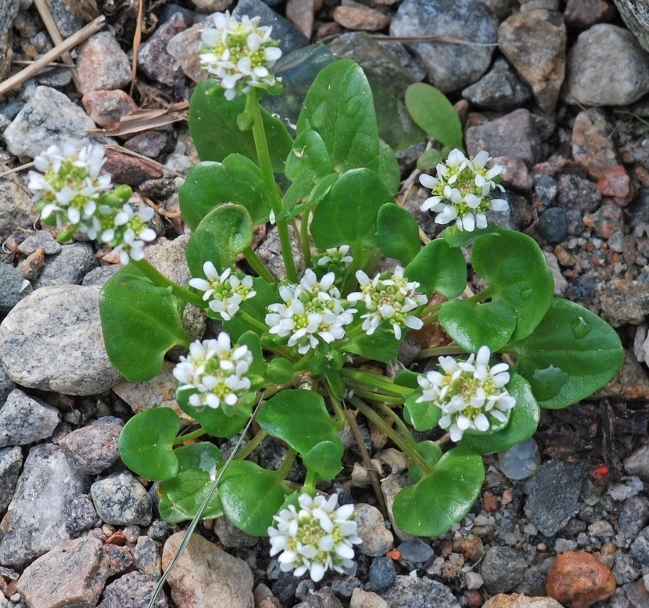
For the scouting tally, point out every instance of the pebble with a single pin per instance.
(153, 59)
(535, 42)
(630, 486)
(132, 590)
(92, 449)
(127, 169)
(580, 579)
(149, 143)
(382, 574)
(630, 383)
(415, 550)
(624, 569)
(71, 574)
(520, 461)
(502, 569)
(40, 239)
(65, 17)
(24, 420)
(366, 599)
(17, 210)
(615, 182)
(102, 64)
(640, 548)
(231, 536)
(611, 54)
(554, 495)
(323, 598)
(638, 463)
(205, 576)
(513, 135)
(411, 592)
(553, 225)
(121, 500)
(344, 587)
(624, 302)
(48, 118)
(11, 460)
(13, 287)
(100, 275)
(80, 515)
(301, 13)
(500, 89)
(146, 557)
(582, 14)
(270, 252)
(52, 340)
(560, 282)
(67, 267)
(450, 66)
(360, 18)
(6, 34)
(592, 143)
(377, 539)
(578, 193)
(634, 516)
(106, 108)
(184, 47)
(473, 580)
(35, 520)
(517, 600)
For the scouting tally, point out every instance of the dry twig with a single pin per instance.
(144, 120)
(137, 38)
(17, 169)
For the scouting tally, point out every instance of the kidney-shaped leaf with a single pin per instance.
(443, 497)
(398, 233)
(571, 354)
(440, 268)
(215, 421)
(309, 152)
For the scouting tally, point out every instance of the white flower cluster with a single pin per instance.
(216, 371)
(224, 291)
(336, 255)
(241, 54)
(67, 182)
(68, 187)
(312, 311)
(462, 190)
(468, 393)
(389, 299)
(318, 537)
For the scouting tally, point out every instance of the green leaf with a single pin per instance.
(461, 238)
(423, 415)
(309, 152)
(236, 180)
(300, 418)
(252, 341)
(429, 159)
(380, 346)
(214, 129)
(435, 114)
(215, 421)
(266, 294)
(140, 323)
(522, 425)
(203, 455)
(321, 188)
(473, 324)
(443, 497)
(431, 453)
(347, 215)
(398, 233)
(440, 268)
(388, 170)
(407, 378)
(517, 273)
(251, 496)
(298, 194)
(220, 237)
(324, 459)
(279, 370)
(146, 443)
(339, 106)
(571, 354)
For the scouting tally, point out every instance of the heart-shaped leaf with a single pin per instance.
(309, 152)
(398, 233)
(423, 415)
(215, 421)
(440, 268)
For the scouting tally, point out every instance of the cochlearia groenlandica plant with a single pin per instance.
(306, 349)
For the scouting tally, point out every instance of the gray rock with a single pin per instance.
(640, 548)
(270, 252)
(185, 48)
(405, 59)
(382, 574)
(52, 340)
(121, 500)
(102, 65)
(153, 59)
(147, 557)
(560, 282)
(16, 208)
(636, 17)
(344, 587)
(13, 287)
(56, 78)
(500, 89)
(133, 590)
(377, 539)
(415, 550)
(65, 18)
(450, 66)
(624, 302)
(100, 275)
(553, 225)
(535, 42)
(514, 135)
(606, 53)
(502, 569)
(92, 449)
(409, 592)
(520, 461)
(323, 598)
(80, 515)
(624, 568)
(40, 238)
(231, 536)
(634, 516)
(7, 18)
(48, 118)
(6, 385)
(24, 420)
(290, 38)
(35, 519)
(638, 463)
(11, 459)
(119, 558)
(630, 486)
(554, 495)
(67, 267)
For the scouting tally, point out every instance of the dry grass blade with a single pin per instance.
(143, 120)
(44, 61)
(137, 38)
(16, 169)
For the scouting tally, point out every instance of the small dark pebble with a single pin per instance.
(553, 225)
(415, 550)
(546, 188)
(382, 574)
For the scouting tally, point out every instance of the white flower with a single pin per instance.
(389, 299)
(216, 371)
(225, 291)
(462, 190)
(470, 395)
(240, 54)
(67, 182)
(125, 230)
(336, 255)
(312, 312)
(318, 537)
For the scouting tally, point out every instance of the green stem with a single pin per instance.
(251, 446)
(337, 405)
(193, 435)
(483, 295)
(303, 363)
(388, 411)
(306, 239)
(430, 309)
(258, 266)
(310, 482)
(405, 445)
(370, 267)
(372, 396)
(374, 380)
(441, 350)
(261, 145)
(160, 280)
(283, 470)
(250, 319)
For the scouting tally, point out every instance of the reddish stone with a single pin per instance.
(490, 502)
(578, 580)
(102, 64)
(605, 221)
(507, 497)
(117, 538)
(582, 14)
(592, 146)
(360, 18)
(615, 182)
(516, 173)
(473, 598)
(471, 548)
(106, 108)
(126, 169)
(153, 58)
